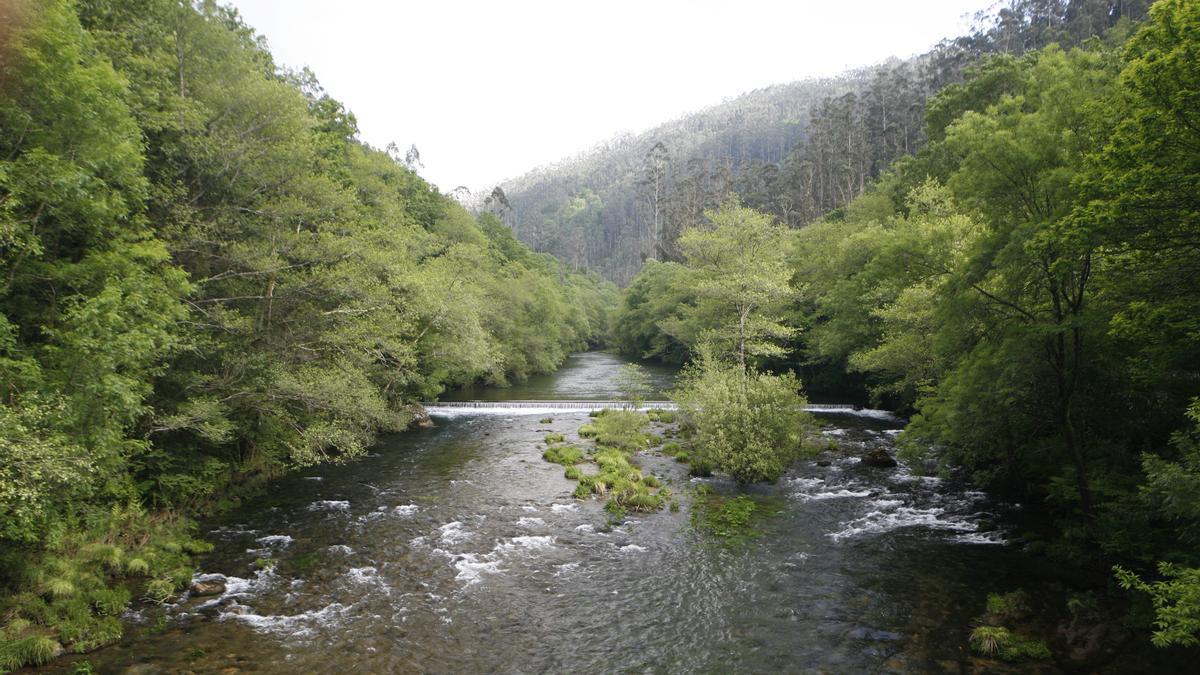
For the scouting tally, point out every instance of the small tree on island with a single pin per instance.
(634, 383)
(748, 424)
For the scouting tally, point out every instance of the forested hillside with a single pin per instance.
(207, 280)
(1024, 286)
(797, 151)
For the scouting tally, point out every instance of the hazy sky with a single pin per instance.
(490, 89)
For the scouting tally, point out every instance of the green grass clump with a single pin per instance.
(551, 439)
(582, 491)
(110, 601)
(652, 481)
(30, 651)
(84, 632)
(77, 587)
(700, 468)
(1008, 606)
(672, 449)
(999, 642)
(615, 509)
(572, 473)
(546, 420)
(621, 429)
(563, 454)
(611, 459)
(683, 457)
(160, 590)
(642, 501)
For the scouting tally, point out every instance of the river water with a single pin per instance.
(457, 549)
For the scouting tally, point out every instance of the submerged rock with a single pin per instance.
(879, 458)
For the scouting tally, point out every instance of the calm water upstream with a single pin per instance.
(457, 549)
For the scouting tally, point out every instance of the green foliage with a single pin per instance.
(999, 642)
(1176, 599)
(1008, 606)
(621, 429)
(206, 280)
(616, 511)
(30, 651)
(634, 384)
(563, 454)
(732, 519)
(737, 266)
(657, 294)
(551, 439)
(748, 425)
(618, 478)
(572, 473)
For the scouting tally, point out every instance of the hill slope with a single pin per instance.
(795, 150)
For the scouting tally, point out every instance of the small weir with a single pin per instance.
(455, 408)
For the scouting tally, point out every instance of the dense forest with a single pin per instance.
(797, 151)
(207, 280)
(1023, 286)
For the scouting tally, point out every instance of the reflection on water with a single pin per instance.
(457, 549)
(590, 375)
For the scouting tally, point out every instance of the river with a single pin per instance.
(458, 549)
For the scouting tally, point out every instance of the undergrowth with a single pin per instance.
(74, 593)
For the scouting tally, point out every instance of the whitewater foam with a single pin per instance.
(329, 505)
(453, 533)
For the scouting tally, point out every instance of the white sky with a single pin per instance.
(488, 90)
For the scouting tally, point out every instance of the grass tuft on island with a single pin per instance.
(618, 434)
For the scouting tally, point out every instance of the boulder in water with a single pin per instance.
(878, 458)
(202, 589)
(420, 418)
